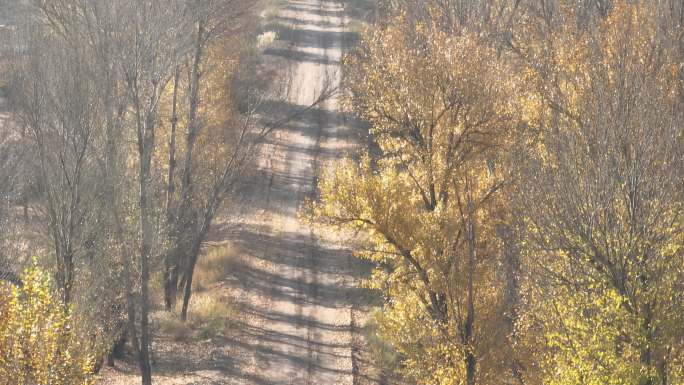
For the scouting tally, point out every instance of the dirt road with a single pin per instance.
(295, 287)
(294, 290)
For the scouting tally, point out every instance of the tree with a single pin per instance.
(151, 40)
(430, 198)
(190, 212)
(603, 200)
(12, 160)
(58, 100)
(60, 115)
(38, 339)
(223, 100)
(573, 197)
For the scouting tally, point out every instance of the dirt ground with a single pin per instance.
(298, 308)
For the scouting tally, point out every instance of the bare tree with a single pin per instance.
(11, 166)
(150, 41)
(60, 115)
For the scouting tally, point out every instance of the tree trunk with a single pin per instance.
(512, 297)
(646, 356)
(145, 148)
(187, 291)
(190, 272)
(470, 359)
(170, 279)
(171, 260)
(184, 214)
(193, 125)
(69, 277)
(186, 182)
(65, 273)
(130, 303)
(214, 203)
(470, 367)
(662, 371)
(145, 247)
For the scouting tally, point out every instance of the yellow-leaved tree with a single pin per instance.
(429, 198)
(38, 341)
(602, 197)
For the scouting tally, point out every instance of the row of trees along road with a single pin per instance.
(129, 112)
(523, 196)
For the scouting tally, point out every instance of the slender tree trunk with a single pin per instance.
(647, 351)
(189, 275)
(193, 126)
(512, 297)
(68, 277)
(145, 149)
(145, 248)
(214, 203)
(188, 290)
(470, 358)
(130, 302)
(171, 261)
(64, 274)
(183, 216)
(186, 182)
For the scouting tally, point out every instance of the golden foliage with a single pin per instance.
(438, 114)
(571, 127)
(604, 232)
(38, 343)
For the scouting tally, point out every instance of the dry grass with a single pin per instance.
(210, 311)
(170, 325)
(213, 266)
(209, 316)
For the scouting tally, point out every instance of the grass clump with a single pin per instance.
(212, 267)
(210, 311)
(210, 315)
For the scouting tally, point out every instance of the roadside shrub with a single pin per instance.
(38, 343)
